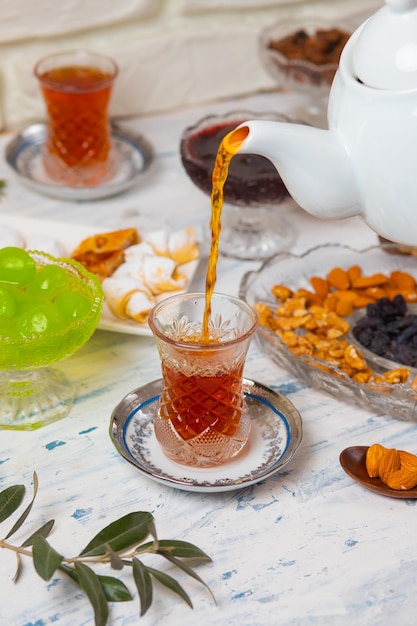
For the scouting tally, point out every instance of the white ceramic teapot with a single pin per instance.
(366, 162)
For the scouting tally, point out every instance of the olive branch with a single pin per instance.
(119, 544)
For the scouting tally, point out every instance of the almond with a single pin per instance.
(374, 455)
(408, 460)
(389, 463)
(403, 478)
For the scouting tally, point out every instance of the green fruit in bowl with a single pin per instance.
(48, 282)
(7, 304)
(49, 308)
(72, 304)
(16, 266)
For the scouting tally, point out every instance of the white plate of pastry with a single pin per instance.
(136, 270)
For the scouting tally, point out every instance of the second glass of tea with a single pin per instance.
(202, 419)
(76, 87)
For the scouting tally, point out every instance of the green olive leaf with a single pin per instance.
(26, 512)
(182, 549)
(171, 583)
(143, 583)
(187, 569)
(114, 589)
(120, 535)
(91, 585)
(10, 500)
(115, 561)
(43, 531)
(45, 559)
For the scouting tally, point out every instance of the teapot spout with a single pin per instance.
(313, 164)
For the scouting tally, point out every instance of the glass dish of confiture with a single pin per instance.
(318, 344)
(253, 226)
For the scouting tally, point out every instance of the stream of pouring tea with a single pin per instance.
(226, 151)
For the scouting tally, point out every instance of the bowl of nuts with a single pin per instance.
(344, 321)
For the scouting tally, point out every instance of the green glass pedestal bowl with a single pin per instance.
(49, 308)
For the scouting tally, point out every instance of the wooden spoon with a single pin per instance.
(353, 461)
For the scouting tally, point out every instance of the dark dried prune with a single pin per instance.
(369, 322)
(404, 354)
(400, 304)
(363, 335)
(407, 334)
(388, 330)
(380, 343)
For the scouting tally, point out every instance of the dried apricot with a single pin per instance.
(403, 280)
(320, 286)
(338, 278)
(369, 281)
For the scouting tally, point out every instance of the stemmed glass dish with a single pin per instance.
(303, 56)
(252, 225)
(49, 308)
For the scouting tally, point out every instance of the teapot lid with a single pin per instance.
(385, 55)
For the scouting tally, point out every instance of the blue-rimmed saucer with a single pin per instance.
(275, 436)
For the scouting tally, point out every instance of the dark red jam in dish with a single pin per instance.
(252, 179)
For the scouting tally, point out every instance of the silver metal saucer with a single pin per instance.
(275, 436)
(23, 154)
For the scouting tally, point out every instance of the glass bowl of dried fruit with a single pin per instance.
(309, 307)
(303, 56)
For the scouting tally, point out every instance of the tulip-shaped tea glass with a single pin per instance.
(77, 86)
(49, 308)
(202, 419)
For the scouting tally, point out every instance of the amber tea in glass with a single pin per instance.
(202, 418)
(76, 87)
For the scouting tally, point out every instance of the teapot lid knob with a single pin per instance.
(385, 55)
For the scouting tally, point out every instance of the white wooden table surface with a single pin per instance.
(306, 546)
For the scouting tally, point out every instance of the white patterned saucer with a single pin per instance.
(275, 436)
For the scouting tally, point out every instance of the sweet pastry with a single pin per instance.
(107, 242)
(103, 253)
(103, 264)
(138, 251)
(179, 245)
(133, 272)
(139, 306)
(127, 297)
(160, 274)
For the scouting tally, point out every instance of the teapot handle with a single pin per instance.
(401, 6)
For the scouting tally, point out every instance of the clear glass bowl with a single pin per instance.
(31, 393)
(312, 68)
(399, 400)
(252, 226)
